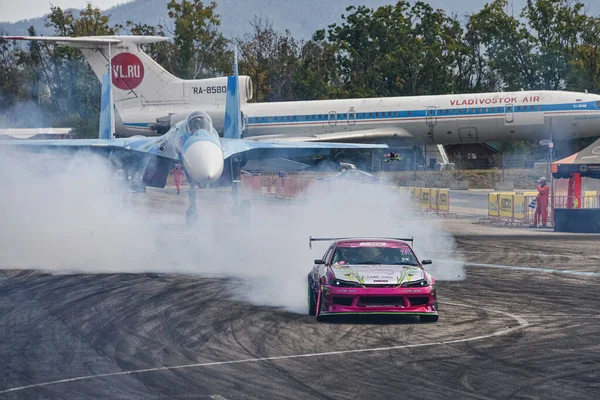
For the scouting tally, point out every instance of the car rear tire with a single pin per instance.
(312, 308)
(428, 318)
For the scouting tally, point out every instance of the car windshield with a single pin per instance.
(374, 256)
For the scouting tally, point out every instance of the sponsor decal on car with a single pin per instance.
(373, 244)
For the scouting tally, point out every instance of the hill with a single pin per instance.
(301, 17)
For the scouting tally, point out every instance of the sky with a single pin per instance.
(16, 10)
(12, 11)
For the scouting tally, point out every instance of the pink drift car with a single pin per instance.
(371, 276)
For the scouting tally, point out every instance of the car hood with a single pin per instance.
(378, 274)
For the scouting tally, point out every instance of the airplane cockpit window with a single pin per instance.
(198, 120)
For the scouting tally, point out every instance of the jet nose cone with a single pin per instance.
(203, 160)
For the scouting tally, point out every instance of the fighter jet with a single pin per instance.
(207, 159)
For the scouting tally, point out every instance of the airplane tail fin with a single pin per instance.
(105, 130)
(232, 128)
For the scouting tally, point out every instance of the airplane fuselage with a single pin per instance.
(200, 152)
(447, 119)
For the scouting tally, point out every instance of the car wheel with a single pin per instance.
(312, 308)
(428, 318)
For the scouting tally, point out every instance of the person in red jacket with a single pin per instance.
(541, 207)
(177, 175)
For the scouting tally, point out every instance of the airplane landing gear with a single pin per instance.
(240, 209)
(191, 214)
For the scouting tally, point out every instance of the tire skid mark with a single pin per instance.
(522, 324)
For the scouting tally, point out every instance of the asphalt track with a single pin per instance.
(503, 333)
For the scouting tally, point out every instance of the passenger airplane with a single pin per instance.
(149, 100)
(193, 141)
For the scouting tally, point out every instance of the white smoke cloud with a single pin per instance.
(68, 214)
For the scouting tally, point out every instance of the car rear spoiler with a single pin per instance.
(318, 239)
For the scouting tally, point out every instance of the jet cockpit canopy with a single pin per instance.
(198, 120)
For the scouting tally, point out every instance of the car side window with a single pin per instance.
(328, 254)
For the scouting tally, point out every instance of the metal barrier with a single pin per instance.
(513, 208)
(588, 200)
(275, 186)
(429, 201)
(424, 201)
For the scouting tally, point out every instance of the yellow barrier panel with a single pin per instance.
(589, 198)
(443, 200)
(493, 207)
(415, 197)
(506, 205)
(425, 199)
(519, 207)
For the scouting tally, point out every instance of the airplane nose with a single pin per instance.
(203, 160)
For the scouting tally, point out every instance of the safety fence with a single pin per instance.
(424, 201)
(589, 199)
(514, 208)
(429, 201)
(276, 186)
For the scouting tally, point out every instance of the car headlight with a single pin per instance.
(340, 283)
(420, 283)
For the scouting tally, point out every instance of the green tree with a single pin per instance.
(317, 77)
(557, 25)
(9, 73)
(164, 53)
(74, 90)
(271, 59)
(586, 62)
(509, 46)
(201, 48)
(398, 50)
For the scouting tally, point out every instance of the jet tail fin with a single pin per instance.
(232, 128)
(105, 130)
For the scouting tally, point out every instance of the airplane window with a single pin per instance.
(408, 113)
(460, 110)
(518, 108)
(197, 121)
(531, 108)
(377, 114)
(343, 116)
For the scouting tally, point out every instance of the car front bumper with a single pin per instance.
(379, 300)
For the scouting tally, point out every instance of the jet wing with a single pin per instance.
(141, 146)
(364, 135)
(270, 149)
(153, 157)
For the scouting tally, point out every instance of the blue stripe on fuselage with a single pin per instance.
(402, 114)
